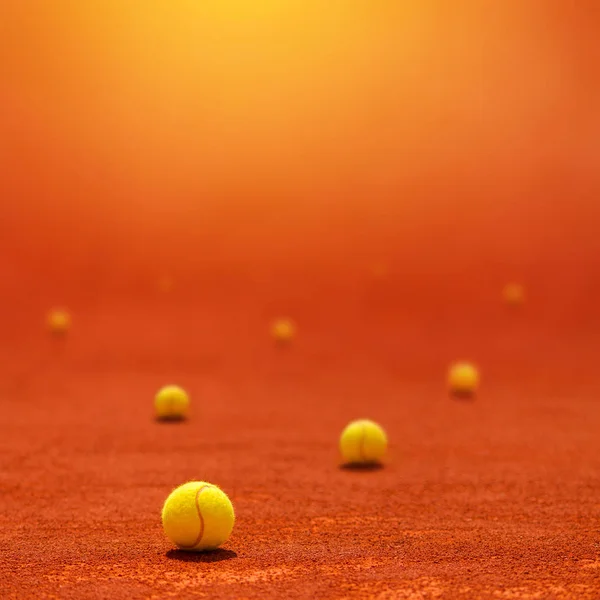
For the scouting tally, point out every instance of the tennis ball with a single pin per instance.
(283, 330)
(513, 294)
(363, 442)
(463, 378)
(198, 516)
(171, 403)
(59, 322)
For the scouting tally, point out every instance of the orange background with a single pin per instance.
(455, 143)
(267, 154)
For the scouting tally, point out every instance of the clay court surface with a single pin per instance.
(492, 498)
(270, 156)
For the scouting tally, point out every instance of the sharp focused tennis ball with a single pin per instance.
(463, 378)
(171, 403)
(198, 516)
(59, 322)
(363, 442)
(513, 294)
(283, 330)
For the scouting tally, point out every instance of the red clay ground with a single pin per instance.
(494, 498)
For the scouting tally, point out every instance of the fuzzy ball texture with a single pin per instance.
(363, 442)
(171, 403)
(198, 516)
(463, 378)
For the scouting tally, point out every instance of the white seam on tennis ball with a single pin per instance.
(197, 502)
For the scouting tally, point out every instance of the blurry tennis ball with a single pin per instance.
(198, 516)
(363, 442)
(463, 379)
(59, 322)
(171, 403)
(283, 330)
(513, 294)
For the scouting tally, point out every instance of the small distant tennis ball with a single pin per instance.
(198, 516)
(513, 294)
(283, 330)
(463, 378)
(59, 322)
(171, 403)
(363, 442)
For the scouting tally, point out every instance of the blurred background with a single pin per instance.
(288, 154)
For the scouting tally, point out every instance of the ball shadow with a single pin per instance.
(360, 467)
(283, 345)
(167, 420)
(209, 556)
(463, 396)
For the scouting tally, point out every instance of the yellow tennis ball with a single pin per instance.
(283, 330)
(171, 403)
(463, 378)
(513, 294)
(363, 442)
(59, 321)
(198, 516)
